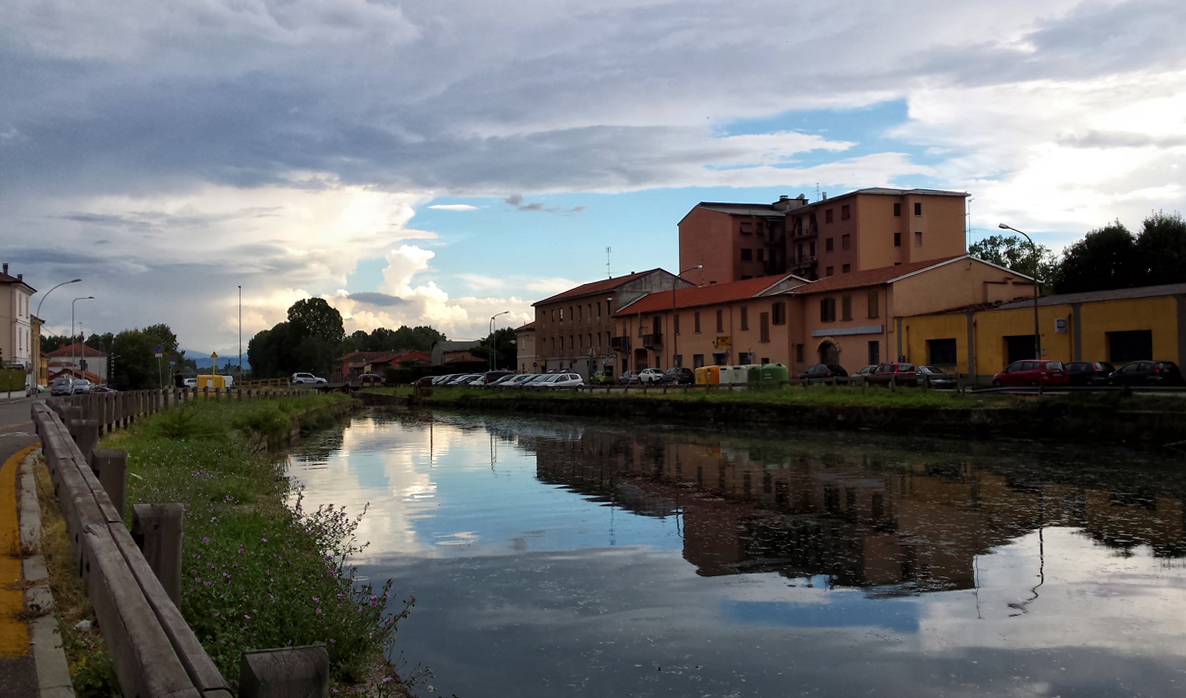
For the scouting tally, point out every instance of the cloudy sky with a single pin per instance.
(438, 162)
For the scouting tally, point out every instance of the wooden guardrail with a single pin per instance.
(267, 383)
(153, 649)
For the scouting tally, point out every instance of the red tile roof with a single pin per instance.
(529, 327)
(80, 351)
(597, 286)
(870, 277)
(697, 296)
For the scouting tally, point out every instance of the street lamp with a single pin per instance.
(73, 341)
(493, 344)
(43, 297)
(240, 334)
(674, 334)
(1037, 329)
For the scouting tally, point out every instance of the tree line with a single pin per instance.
(1107, 258)
(133, 363)
(313, 336)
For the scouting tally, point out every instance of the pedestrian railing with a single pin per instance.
(133, 578)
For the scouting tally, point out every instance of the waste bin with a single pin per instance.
(773, 375)
(708, 375)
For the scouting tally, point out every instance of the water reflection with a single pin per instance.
(589, 559)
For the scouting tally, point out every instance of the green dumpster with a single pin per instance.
(772, 375)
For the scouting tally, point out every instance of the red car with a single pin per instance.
(1032, 373)
(899, 373)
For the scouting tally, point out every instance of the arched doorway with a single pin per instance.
(829, 353)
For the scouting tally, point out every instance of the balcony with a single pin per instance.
(620, 344)
(651, 341)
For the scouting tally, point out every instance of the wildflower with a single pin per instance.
(205, 539)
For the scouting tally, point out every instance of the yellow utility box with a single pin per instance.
(212, 382)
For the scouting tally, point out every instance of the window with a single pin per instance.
(562, 344)
(571, 344)
(846, 268)
(598, 310)
(846, 307)
(874, 309)
(581, 341)
(675, 323)
(590, 306)
(1134, 345)
(747, 254)
(829, 271)
(845, 242)
(827, 310)
(591, 339)
(607, 307)
(811, 248)
(844, 213)
(874, 352)
(720, 321)
(571, 315)
(697, 360)
(562, 315)
(765, 360)
(917, 239)
(744, 318)
(696, 322)
(779, 311)
(918, 209)
(554, 314)
(897, 239)
(897, 209)
(761, 255)
(554, 344)
(828, 216)
(799, 353)
(747, 228)
(941, 352)
(828, 245)
(580, 313)
(763, 327)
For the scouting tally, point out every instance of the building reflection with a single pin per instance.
(899, 522)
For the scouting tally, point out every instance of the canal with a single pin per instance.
(565, 558)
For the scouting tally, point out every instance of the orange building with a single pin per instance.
(851, 319)
(860, 230)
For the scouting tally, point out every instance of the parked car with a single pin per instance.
(564, 380)
(1032, 372)
(366, 380)
(862, 376)
(103, 389)
(679, 375)
(628, 377)
(824, 372)
(306, 379)
(650, 375)
(1088, 372)
(1151, 373)
(463, 379)
(490, 377)
(897, 373)
(62, 386)
(191, 382)
(537, 380)
(935, 377)
(602, 378)
(81, 386)
(443, 380)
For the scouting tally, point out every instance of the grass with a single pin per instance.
(257, 571)
(91, 670)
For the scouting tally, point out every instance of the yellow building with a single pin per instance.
(1115, 326)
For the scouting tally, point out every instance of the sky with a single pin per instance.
(440, 162)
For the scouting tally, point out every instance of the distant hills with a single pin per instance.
(202, 359)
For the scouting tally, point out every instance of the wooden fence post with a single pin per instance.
(86, 435)
(287, 672)
(111, 465)
(156, 528)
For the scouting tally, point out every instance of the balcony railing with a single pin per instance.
(650, 341)
(620, 344)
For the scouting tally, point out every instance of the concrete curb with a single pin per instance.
(53, 672)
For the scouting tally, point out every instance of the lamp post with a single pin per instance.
(494, 344)
(73, 342)
(674, 333)
(1037, 328)
(240, 334)
(43, 297)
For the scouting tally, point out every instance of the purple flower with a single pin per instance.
(318, 611)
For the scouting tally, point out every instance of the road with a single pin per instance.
(17, 674)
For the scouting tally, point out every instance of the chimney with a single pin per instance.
(20, 277)
(783, 197)
(823, 196)
(6, 267)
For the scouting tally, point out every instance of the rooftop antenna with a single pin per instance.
(968, 226)
(607, 271)
(817, 191)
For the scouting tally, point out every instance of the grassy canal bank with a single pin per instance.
(1111, 417)
(259, 570)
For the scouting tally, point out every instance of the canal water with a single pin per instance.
(575, 558)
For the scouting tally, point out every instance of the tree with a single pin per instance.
(504, 344)
(136, 366)
(1161, 247)
(1015, 253)
(101, 342)
(1104, 259)
(313, 317)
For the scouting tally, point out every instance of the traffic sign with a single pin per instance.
(158, 351)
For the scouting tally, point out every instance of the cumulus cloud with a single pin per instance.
(453, 207)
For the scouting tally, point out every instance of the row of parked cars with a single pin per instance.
(77, 386)
(508, 379)
(1018, 373)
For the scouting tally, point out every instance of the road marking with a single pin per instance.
(14, 634)
(18, 424)
(13, 433)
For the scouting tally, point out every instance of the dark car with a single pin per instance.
(935, 377)
(103, 389)
(1151, 373)
(896, 373)
(490, 376)
(629, 377)
(366, 380)
(1032, 372)
(679, 376)
(822, 372)
(1088, 372)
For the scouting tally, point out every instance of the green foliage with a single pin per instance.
(1013, 252)
(504, 343)
(313, 317)
(1104, 259)
(12, 379)
(102, 342)
(1162, 249)
(260, 571)
(136, 366)
(269, 421)
(420, 338)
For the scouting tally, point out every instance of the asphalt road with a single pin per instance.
(17, 674)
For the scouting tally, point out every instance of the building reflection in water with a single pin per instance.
(896, 523)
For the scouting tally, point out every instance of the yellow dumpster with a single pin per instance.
(215, 382)
(708, 375)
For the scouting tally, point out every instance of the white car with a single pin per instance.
(82, 386)
(306, 378)
(650, 375)
(564, 380)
